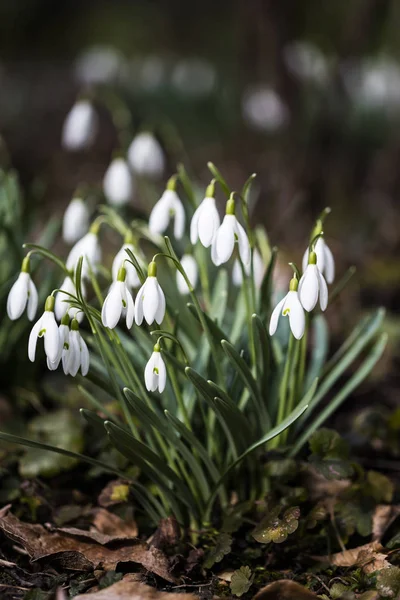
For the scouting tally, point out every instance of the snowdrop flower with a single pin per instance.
(325, 260)
(290, 307)
(312, 284)
(89, 248)
(23, 294)
(63, 342)
(117, 182)
(205, 221)
(145, 156)
(119, 302)
(45, 327)
(155, 373)
(122, 260)
(168, 206)
(190, 267)
(229, 232)
(75, 221)
(150, 300)
(80, 126)
(62, 305)
(258, 269)
(76, 355)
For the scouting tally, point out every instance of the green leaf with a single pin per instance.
(215, 172)
(388, 582)
(275, 529)
(222, 547)
(263, 341)
(319, 352)
(327, 443)
(266, 286)
(214, 329)
(332, 468)
(241, 581)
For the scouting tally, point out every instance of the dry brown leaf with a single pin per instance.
(284, 590)
(115, 492)
(383, 517)
(129, 588)
(167, 533)
(73, 552)
(321, 488)
(368, 556)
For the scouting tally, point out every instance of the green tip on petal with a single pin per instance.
(230, 206)
(74, 325)
(65, 320)
(294, 284)
(26, 267)
(152, 270)
(50, 302)
(171, 185)
(121, 274)
(312, 258)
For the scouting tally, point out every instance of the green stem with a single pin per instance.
(282, 409)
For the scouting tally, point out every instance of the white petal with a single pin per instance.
(194, 225)
(162, 374)
(146, 156)
(85, 357)
(74, 355)
(180, 218)
(61, 306)
(276, 313)
(112, 307)
(323, 291)
(209, 222)
(243, 243)
(305, 260)
(18, 296)
(75, 221)
(33, 338)
(139, 304)
(32, 300)
(296, 314)
(149, 375)
(329, 265)
(259, 268)
(237, 275)
(130, 310)
(190, 267)
(214, 255)
(225, 238)
(79, 126)
(160, 216)
(117, 183)
(320, 252)
(308, 287)
(150, 300)
(51, 336)
(160, 313)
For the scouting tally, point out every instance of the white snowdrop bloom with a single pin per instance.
(146, 156)
(325, 260)
(312, 284)
(229, 232)
(75, 221)
(307, 62)
(169, 206)
(23, 295)
(99, 64)
(122, 260)
(150, 300)
(290, 307)
(259, 269)
(155, 373)
(191, 269)
(80, 126)
(75, 355)
(63, 342)
(117, 182)
(89, 248)
(205, 220)
(47, 328)
(62, 305)
(194, 77)
(118, 302)
(263, 109)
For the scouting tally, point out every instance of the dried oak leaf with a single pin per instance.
(275, 529)
(79, 551)
(369, 557)
(132, 589)
(285, 590)
(383, 517)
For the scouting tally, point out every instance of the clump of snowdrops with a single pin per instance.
(211, 370)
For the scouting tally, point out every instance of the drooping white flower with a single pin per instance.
(145, 156)
(150, 300)
(312, 284)
(89, 248)
(62, 305)
(229, 232)
(155, 373)
(258, 269)
(118, 183)
(325, 260)
(191, 269)
(47, 328)
(80, 126)
(205, 221)
(75, 221)
(63, 342)
(168, 206)
(290, 307)
(118, 302)
(122, 260)
(76, 355)
(23, 294)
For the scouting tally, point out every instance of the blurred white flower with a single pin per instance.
(194, 77)
(22, 295)
(62, 305)
(75, 221)
(122, 259)
(259, 269)
(146, 156)
(306, 61)
(89, 248)
(117, 182)
(374, 83)
(150, 299)
(263, 109)
(168, 206)
(99, 64)
(191, 269)
(155, 373)
(80, 126)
